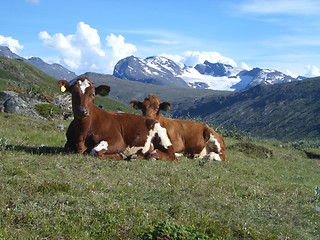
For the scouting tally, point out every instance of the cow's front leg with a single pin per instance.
(163, 154)
(81, 146)
(103, 150)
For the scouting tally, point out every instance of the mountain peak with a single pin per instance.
(6, 52)
(54, 70)
(156, 70)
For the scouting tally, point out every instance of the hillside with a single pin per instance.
(54, 70)
(22, 77)
(124, 91)
(46, 194)
(283, 111)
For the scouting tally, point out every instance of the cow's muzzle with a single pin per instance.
(82, 112)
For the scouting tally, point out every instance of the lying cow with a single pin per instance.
(108, 134)
(188, 137)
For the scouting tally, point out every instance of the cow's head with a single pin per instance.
(151, 106)
(83, 92)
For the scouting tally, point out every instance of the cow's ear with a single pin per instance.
(64, 86)
(103, 90)
(165, 106)
(136, 104)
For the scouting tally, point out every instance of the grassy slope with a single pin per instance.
(19, 76)
(282, 111)
(47, 194)
(22, 77)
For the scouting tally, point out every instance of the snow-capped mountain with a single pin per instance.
(54, 70)
(258, 76)
(152, 70)
(216, 76)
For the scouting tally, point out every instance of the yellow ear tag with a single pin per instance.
(63, 88)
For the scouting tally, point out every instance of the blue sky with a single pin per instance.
(93, 35)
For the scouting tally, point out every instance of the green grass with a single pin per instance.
(48, 194)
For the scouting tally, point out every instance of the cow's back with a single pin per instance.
(186, 136)
(129, 129)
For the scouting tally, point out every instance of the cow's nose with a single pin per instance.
(83, 111)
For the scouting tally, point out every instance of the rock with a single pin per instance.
(12, 102)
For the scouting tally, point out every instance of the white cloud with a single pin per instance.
(191, 58)
(312, 71)
(280, 6)
(83, 52)
(245, 66)
(120, 49)
(13, 44)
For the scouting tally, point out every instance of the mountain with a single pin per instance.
(54, 70)
(240, 79)
(6, 52)
(283, 111)
(258, 76)
(216, 69)
(23, 77)
(152, 70)
(216, 76)
(125, 91)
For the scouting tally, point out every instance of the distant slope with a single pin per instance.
(125, 91)
(54, 70)
(23, 77)
(284, 111)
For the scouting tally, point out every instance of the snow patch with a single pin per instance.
(192, 76)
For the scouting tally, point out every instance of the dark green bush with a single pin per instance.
(171, 231)
(47, 110)
(253, 150)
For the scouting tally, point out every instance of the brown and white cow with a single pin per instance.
(187, 137)
(109, 134)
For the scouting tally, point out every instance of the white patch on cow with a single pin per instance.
(103, 145)
(162, 133)
(213, 140)
(207, 153)
(133, 150)
(213, 156)
(203, 153)
(178, 155)
(84, 85)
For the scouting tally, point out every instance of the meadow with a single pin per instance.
(267, 190)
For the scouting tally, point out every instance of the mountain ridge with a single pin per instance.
(287, 110)
(216, 76)
(54, 70)
(282, 111)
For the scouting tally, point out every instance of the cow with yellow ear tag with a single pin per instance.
(108, 134)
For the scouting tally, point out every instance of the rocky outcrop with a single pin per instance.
(12, 102)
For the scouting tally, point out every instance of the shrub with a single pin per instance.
(253, 150)
(47, 110)
(313, 153)
(171, 231)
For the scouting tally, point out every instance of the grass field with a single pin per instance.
(267, 190)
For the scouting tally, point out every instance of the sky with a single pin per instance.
(93, 35)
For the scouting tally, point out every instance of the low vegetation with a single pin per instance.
(267, 190)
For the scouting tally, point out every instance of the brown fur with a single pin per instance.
(91, 125)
